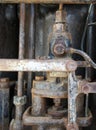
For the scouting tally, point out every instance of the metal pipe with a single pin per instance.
(29, 120)
(31, 47)
(33, 65)
(72, 93)
(21, 47)
(40, 120)
(19, 110)
(50, 1)
(86, 105)
(38, 65)
(60, 6)
(4, 103)
(83, 54)
(86, 26)
(90, 47)
(38, 109)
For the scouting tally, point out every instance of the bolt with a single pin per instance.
(85, 89)
(71, 66)
(59, 49)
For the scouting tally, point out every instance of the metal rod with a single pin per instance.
(72, 93)
(86, 26)
(37, 65)
(50, 1)
(84, 55)
(14, 65)
(86, 105)
(72, 86)
(90, 47)
(30, 120)
(19, 109)
(33, 120)
(60, 6)
(4, 103)
(31, 48)
(21, 46)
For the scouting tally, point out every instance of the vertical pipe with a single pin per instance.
(72, 91)
(19, 109)
(39, 105)
(21, 47)
(31, 48)
(4, 104)
(61, 6)
(91, 38)
(91, 51)
(38, 109)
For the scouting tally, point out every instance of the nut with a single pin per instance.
(71, 66)
(59, 49)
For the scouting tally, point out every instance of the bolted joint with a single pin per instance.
(19, 100)
(59, 49)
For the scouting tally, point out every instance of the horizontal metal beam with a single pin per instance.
(49, 1)
(29, 120)
(37, 65)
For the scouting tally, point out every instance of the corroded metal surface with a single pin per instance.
(72, 93)
(49, 1)
(48, 93)
(37, 65)
(52, 88)
(88, 88)
(17, 125)
(46, 89)
(47, 120)
(56, 88)
(29, 120)
(30, 23)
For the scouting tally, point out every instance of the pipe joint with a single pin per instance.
(19, 100)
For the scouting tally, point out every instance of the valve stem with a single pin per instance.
(60, 6)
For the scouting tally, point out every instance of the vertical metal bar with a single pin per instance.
(61, 6)
(86, 105)
(90, 72)
(21, 56)
(85, 29)
(38, 109)
(4, 104)
(72, 93)
(31, 48)
(90, 49)
(21, 47)
(71, 99)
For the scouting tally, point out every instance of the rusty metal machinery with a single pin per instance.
(60, 87)
(58, 94)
